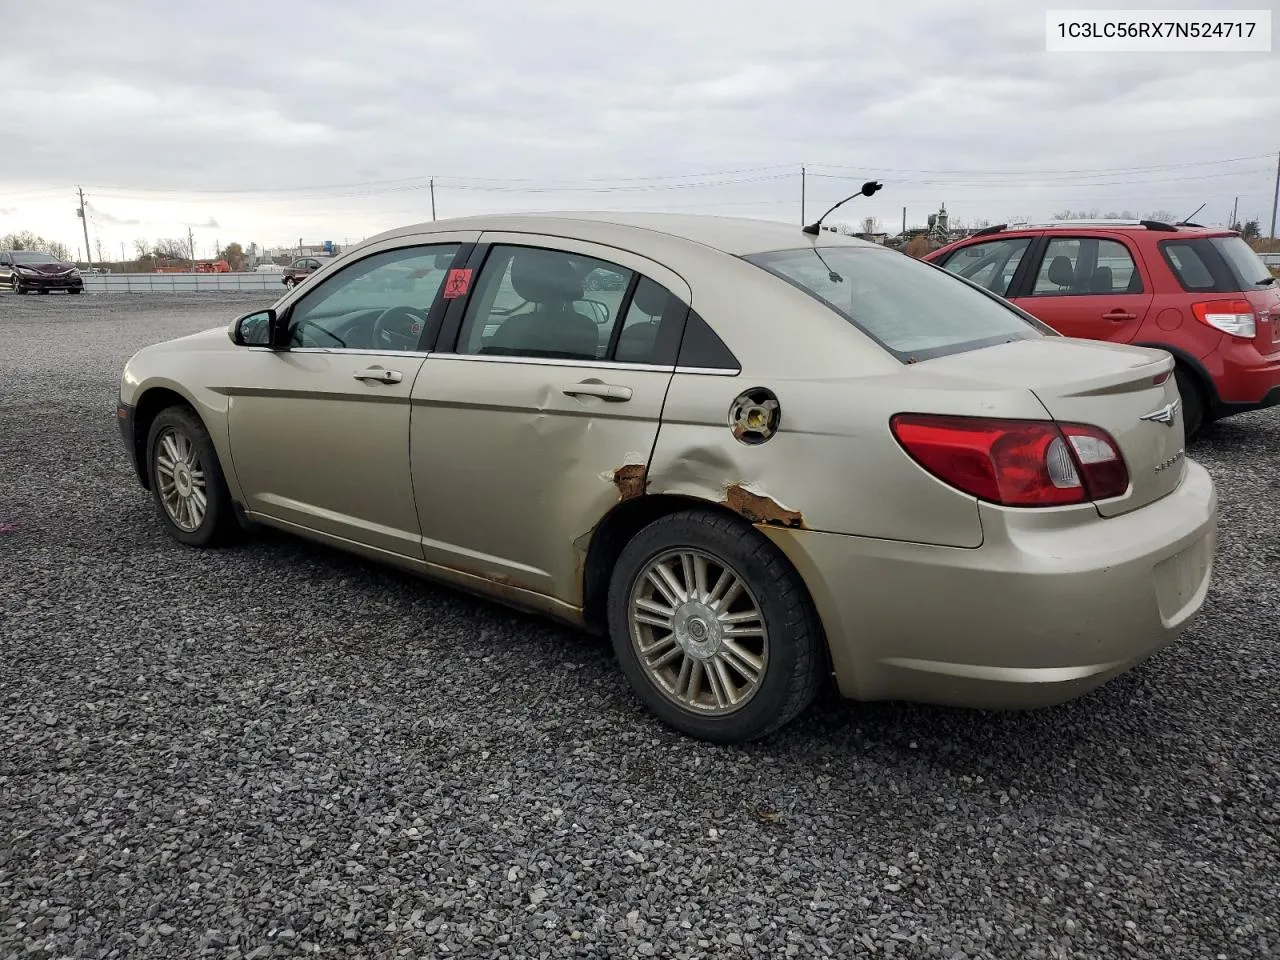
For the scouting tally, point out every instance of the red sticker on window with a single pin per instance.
(457, 283)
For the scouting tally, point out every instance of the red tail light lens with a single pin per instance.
(1235, 317)
(1016, 463)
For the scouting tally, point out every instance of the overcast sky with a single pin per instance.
(271, 121)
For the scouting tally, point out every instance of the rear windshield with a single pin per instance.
(913, 310)
(1246, 264)
(1215, 264)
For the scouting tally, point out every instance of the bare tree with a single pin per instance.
(171, 248)
(26, 240)
(870, 225)
(142, 247)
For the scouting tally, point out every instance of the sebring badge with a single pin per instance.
(1163, 415)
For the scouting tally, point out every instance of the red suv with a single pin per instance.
(1201, 294)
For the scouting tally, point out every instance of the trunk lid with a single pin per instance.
(1101, 384)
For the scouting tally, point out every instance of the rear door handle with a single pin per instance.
(1119, 316)
(380, 375)
(594, 388)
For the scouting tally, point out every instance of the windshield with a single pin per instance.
(1246, 264)
(913, 310)
(30, 256)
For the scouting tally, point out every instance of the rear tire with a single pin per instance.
(44, 291)
(741, 652)
(1192, 397)
(187, 483)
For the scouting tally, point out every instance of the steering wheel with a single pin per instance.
(398, 328)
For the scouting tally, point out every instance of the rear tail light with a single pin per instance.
(1235, 317)
(1015, 463)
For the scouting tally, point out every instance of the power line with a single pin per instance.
(1082, 170)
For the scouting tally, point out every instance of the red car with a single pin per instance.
(1201, 294)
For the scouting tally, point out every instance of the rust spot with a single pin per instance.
(632, 479)
(759, 509)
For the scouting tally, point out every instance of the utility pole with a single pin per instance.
(1275, 200)
(433, 199)
(802, 179)
(1234, 207)
(123, 258)
(84, 222)
(191, 246)
(904, 221)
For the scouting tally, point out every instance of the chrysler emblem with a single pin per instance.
(1163, 415)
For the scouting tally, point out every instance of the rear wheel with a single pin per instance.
(1192, 397)
(44, 291)
(186, 480)
(713, 628)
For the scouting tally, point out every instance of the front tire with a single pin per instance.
(713, 628)
(75, 290)
(187, 483)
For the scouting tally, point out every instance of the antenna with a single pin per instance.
(868, 188)
(1193, 213)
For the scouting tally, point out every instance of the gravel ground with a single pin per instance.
(278, 750)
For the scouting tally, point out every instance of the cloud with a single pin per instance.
(102, 216)
(962, 105)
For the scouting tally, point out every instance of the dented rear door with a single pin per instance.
(517, 453)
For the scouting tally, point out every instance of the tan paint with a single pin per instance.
(923, 593)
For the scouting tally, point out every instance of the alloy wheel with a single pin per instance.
(181, 479)
(698, 632)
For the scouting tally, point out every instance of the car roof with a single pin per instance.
(738, 236)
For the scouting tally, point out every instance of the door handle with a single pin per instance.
(594, 388)
(380, 375)
(1119, 316)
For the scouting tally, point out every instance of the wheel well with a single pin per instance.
(614, 532)
(1208, 391)
(150, 404)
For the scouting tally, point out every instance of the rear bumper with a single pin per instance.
(1053, 604)
(1244, 379)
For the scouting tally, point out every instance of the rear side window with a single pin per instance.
(912, 309)
(1214, 264)
(1086, 267)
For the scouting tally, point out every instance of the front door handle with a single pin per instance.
(380, 375)
(594, 388)
(1119, 316)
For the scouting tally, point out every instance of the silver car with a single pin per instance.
(754, 457)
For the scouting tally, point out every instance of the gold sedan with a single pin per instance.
(755, 457)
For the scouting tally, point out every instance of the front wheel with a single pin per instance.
(75, 290)
(186, 479)
(713, 628)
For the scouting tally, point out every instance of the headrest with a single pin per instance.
(1101, 280)
(650, 298)
(541, 276)
(1061, 272)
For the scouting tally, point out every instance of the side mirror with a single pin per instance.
(257, 329)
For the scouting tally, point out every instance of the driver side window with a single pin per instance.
(382, 302)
